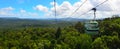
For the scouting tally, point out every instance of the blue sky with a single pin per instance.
(44, 8)
(28, 6)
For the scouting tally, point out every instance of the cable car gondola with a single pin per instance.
(91, 27)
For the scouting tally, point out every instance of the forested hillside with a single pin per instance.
(21, 23)
(36, 36)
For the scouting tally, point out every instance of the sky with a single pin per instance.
(38, 9)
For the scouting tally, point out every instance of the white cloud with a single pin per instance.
(7, 9)
(22, 11)
(62, 10)
(2, 13)
(9, 12)
(53, 3)
(41, 8)
(109, 8)
(104, 7)
(66, 9)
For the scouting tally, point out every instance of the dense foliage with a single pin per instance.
(70, 37)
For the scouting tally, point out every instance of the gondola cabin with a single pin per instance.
(91, 27)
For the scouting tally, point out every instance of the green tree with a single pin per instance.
(58, 33)
(106, 42)
(80, 27)
(99, 44)
(112, 42)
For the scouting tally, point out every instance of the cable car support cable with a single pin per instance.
(78, 7)
(94, 7)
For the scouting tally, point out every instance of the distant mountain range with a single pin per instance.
(58, 19)
(51, 19)
(13, 22)
(6, 22)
